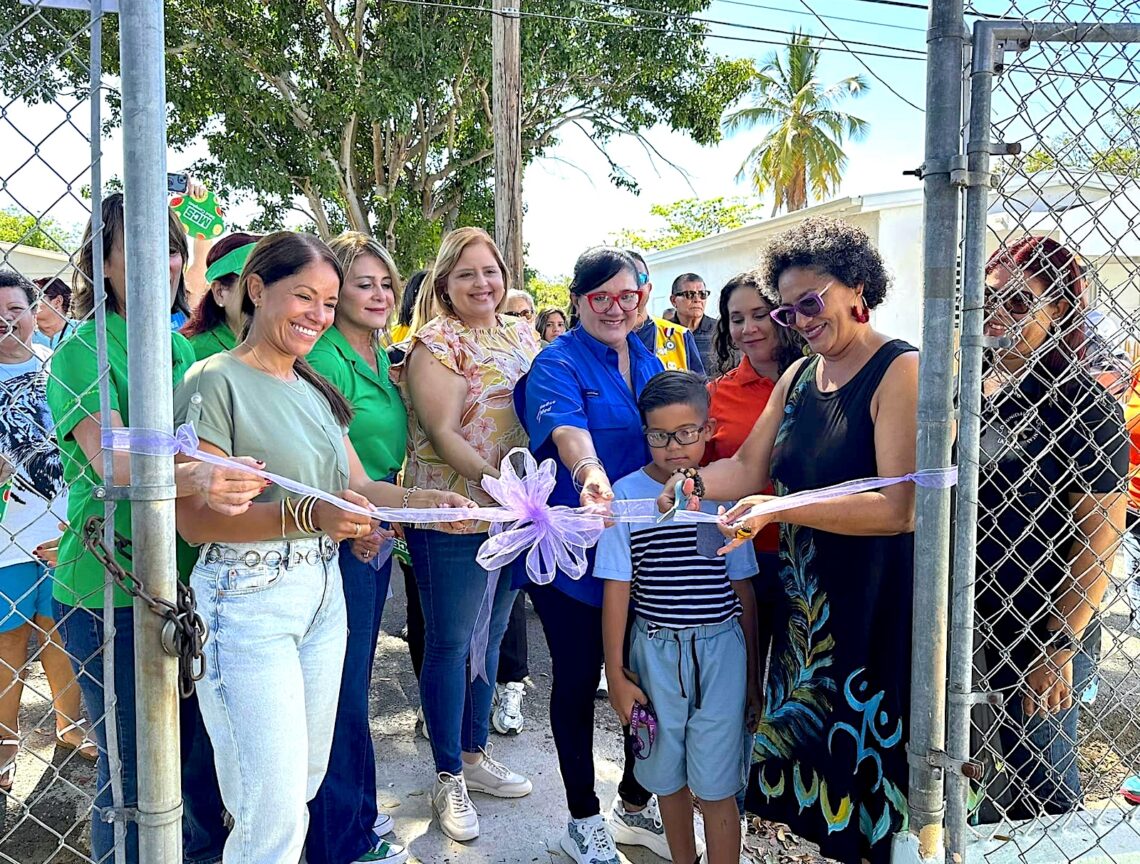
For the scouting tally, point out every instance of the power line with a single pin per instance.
(746, 5)
(862, 63)
(437, 4)
(700, 20)
(898, 3)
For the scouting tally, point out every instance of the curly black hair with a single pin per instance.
(791, 344)
(828, 246)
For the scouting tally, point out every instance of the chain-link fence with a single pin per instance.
(62, 261)
(1044, 711)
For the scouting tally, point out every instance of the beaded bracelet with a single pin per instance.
(698, 483)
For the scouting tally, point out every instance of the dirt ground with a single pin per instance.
(45, 820)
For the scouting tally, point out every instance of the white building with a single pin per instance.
(35, 263)
(1100, 220)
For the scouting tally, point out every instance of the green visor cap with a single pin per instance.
(230, 263)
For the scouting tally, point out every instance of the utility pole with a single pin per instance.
(506, 92)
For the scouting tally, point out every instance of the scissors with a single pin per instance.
(680, 502)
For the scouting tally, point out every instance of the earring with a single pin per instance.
(862, 315)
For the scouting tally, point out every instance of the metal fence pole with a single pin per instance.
(969, 438)
(152, 477)
(945, 39)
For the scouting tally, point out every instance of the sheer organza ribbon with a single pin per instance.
(553, 538)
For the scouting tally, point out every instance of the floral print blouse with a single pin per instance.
(491, 360)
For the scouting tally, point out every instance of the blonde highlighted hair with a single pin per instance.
(352, 244)
(433, 300)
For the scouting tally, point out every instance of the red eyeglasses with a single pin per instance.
(601, 301)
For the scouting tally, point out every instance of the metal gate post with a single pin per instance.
(946, 39)
(149, 363)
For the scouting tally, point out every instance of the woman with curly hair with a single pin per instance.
(829, 753)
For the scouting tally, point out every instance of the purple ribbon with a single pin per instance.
(553, 538)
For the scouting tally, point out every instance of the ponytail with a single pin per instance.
(340, 406)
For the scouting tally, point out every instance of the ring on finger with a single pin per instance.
(744, 532)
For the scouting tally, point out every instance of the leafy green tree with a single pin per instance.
(549, 292)
(377, 115)
(689, 219)
(801, 155)
(43, 233)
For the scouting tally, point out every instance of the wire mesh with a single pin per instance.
(1055, 736)
(51, 704)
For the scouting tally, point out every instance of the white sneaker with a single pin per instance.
(642, 828)
(383, 824)
(603, 691)
(506, 714)
(494, 778)
(588, 841)
(452, 805)
(421, 723)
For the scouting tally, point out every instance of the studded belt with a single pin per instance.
(291, 553)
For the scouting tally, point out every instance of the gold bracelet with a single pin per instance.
(282, 517)
(314, 528)
(305, 514)
(291, 509)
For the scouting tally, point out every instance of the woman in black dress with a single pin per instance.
(829, 754)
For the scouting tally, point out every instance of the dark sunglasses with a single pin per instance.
(658, 439)
(526, 313)
(1017, 304)
(601, 302)
(693, 295)
(810, 305)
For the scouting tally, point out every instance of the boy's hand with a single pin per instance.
(754, 709)
(623, 693)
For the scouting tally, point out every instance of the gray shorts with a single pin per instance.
(696, 679)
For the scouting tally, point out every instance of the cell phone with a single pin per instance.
(177, 183)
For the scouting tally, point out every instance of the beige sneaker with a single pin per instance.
(494, 778)
(452, 805)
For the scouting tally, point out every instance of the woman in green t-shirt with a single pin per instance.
(216, 323)
(73, 398)
(344, 823)
(267, 579)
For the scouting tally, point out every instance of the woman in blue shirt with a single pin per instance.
(580, 408)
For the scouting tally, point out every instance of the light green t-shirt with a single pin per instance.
(379, 429)
(73, 396)
(246, 412)
(214, 341)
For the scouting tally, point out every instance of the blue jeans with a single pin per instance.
(273, 664)
(1041, 752)
(203, 828)
(343, 814)
(82, 632)
(451, 588)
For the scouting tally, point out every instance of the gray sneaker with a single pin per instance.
(642, 828)
(588, 841)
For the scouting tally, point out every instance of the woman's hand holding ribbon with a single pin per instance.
(227, 490)
(597, 494)
(667, 500)
(343, 524)
(740, 528)
(431, 499)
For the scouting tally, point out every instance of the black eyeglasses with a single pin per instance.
(689, 435)
(693, 295)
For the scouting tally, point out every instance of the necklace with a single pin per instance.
(269, 372)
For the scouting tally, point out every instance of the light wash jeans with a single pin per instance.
(273, 664)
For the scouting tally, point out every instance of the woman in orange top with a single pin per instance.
(738, 396)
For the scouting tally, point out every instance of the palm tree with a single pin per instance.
(803, 150)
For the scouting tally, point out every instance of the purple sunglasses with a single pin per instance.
(642, 716)
(810, 305)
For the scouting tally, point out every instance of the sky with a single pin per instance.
(569, 202)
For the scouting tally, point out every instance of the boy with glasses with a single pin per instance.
(692, 681)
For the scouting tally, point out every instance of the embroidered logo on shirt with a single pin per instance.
(544, 409)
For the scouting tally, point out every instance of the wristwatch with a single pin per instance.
(1062, 640)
